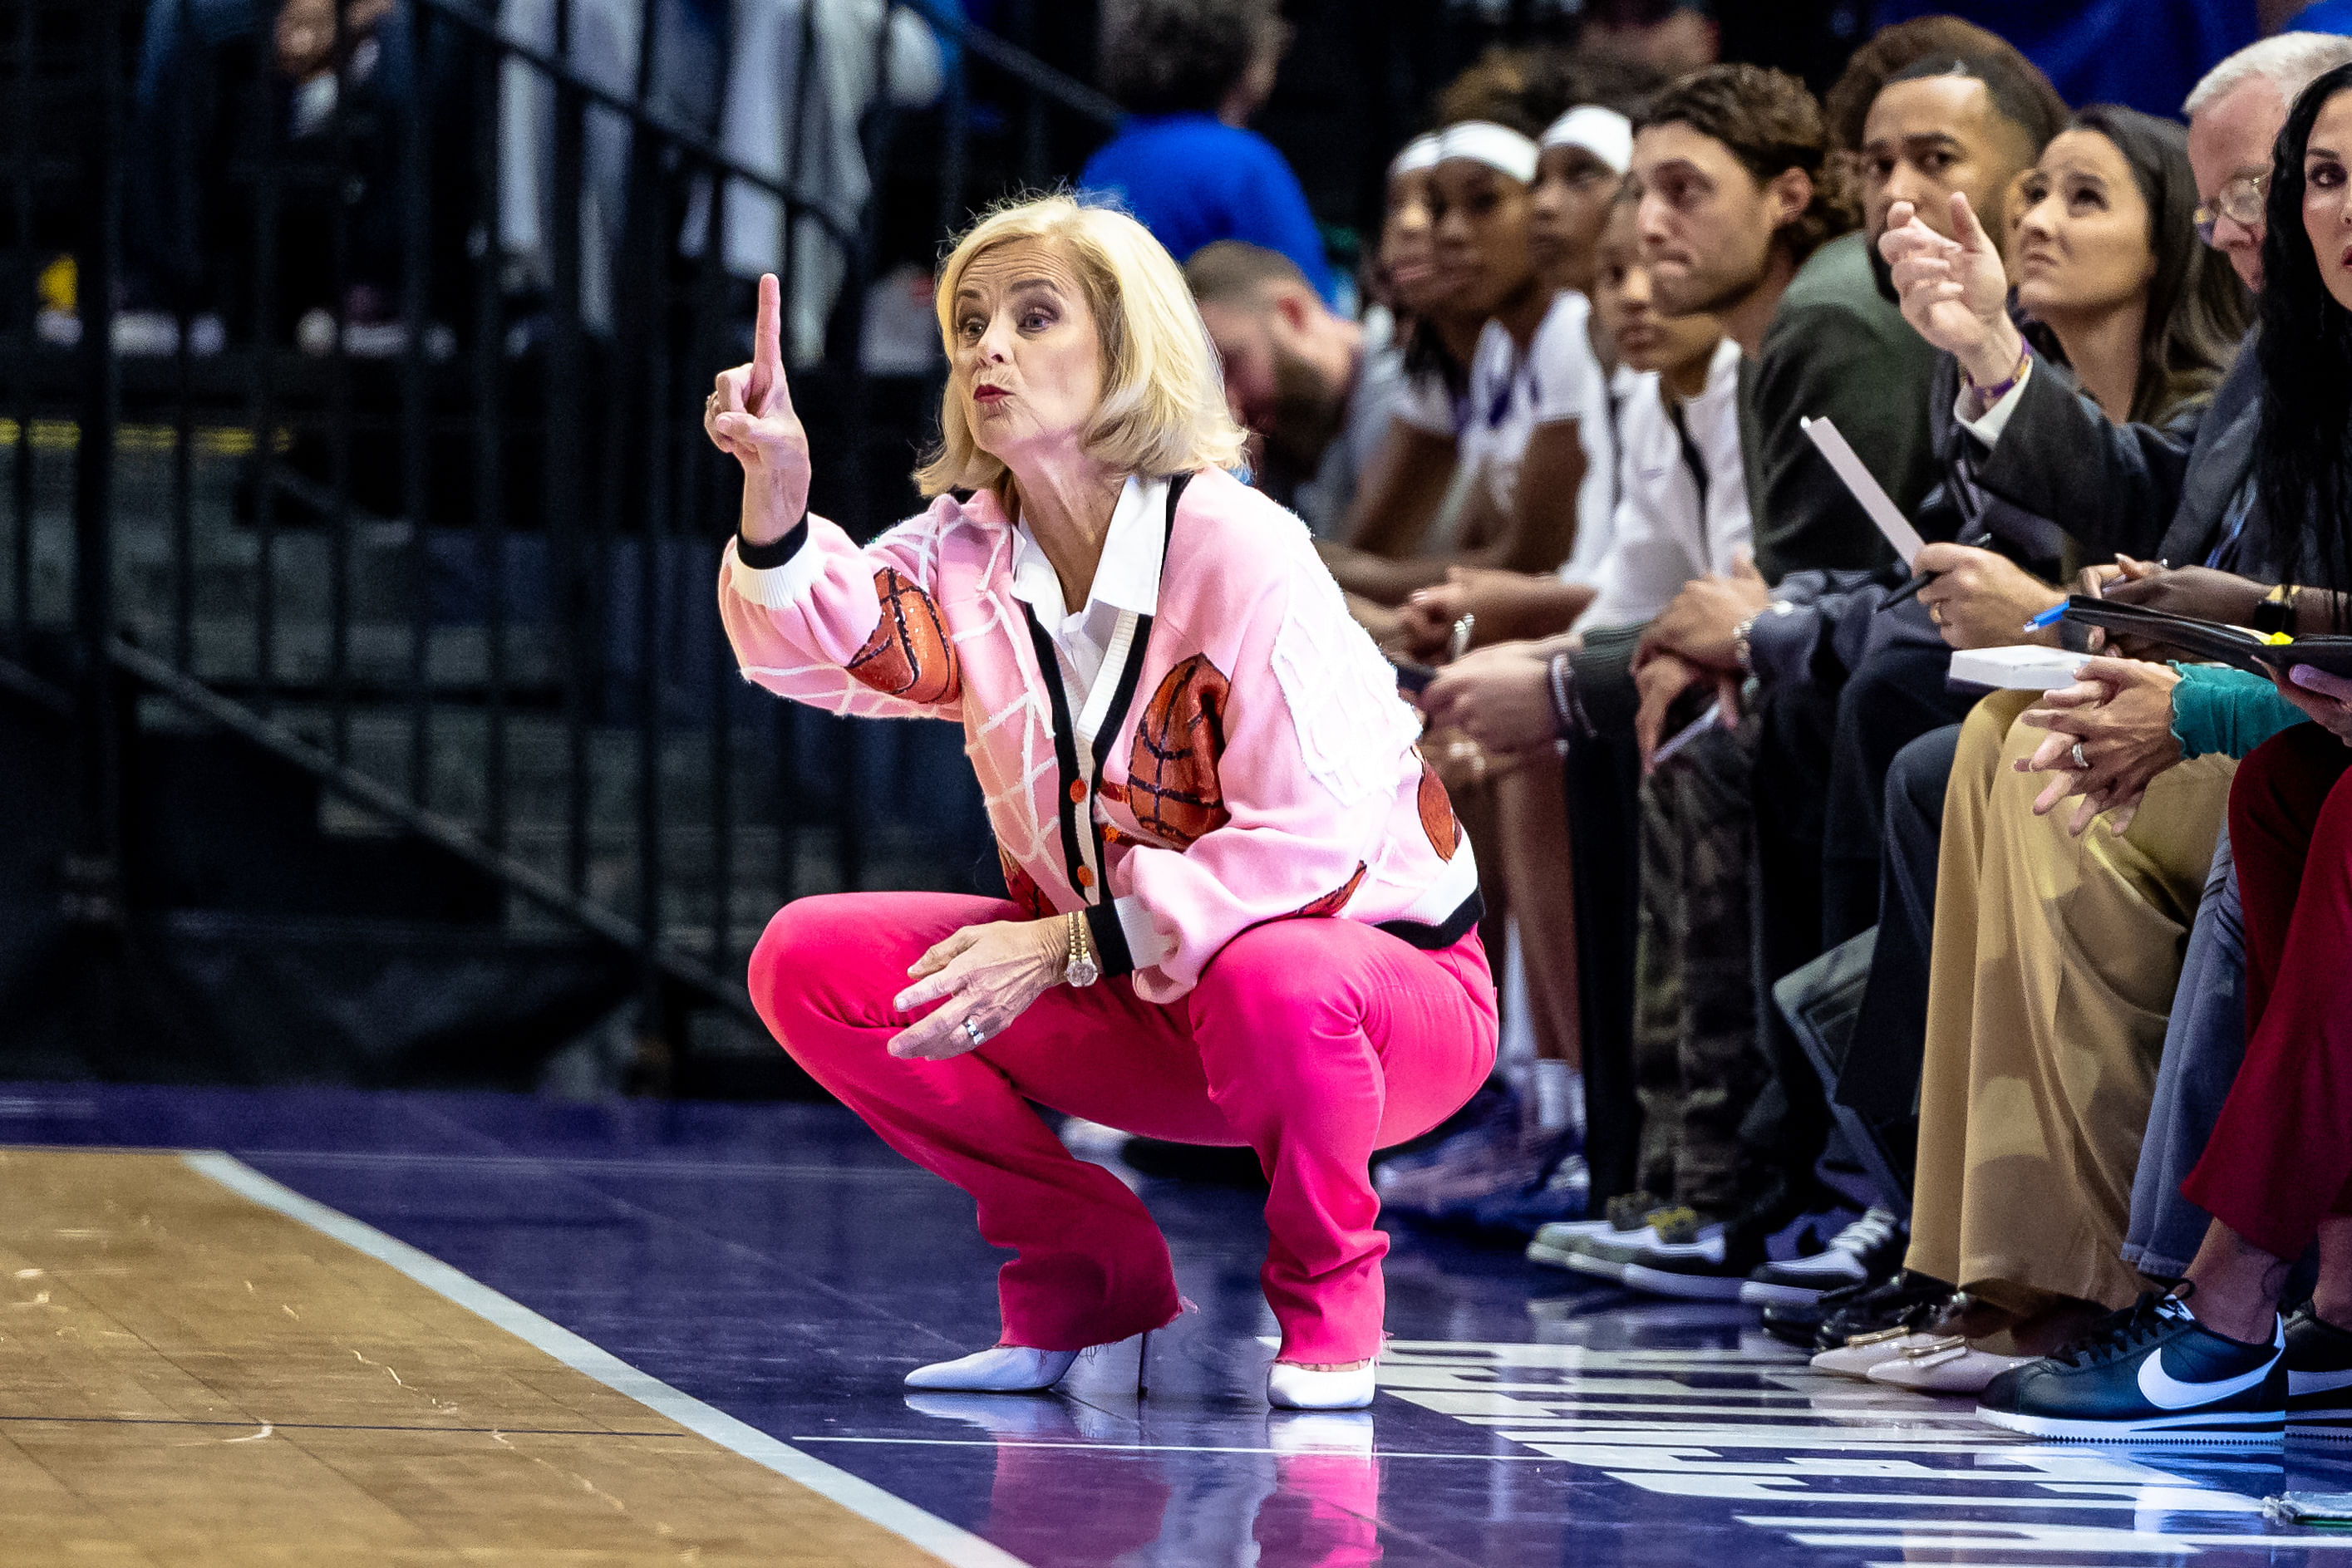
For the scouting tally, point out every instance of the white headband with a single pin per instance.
(1499, 147)
(1419, 153)
(1603, 133)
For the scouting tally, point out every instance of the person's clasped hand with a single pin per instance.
(1660, 683)
(2110, 735)
(986, 974)
(1980, 599)
(1498, 697)
(1702, 623)
(2326, 698)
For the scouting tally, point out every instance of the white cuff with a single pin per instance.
(1987, 427)
(775, 587)
(1145, 944)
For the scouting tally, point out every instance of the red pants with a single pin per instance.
(1311, 1041)
(2280, 1159)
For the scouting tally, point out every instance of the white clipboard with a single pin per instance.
(1865, 487)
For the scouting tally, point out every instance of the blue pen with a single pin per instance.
(2047, 619)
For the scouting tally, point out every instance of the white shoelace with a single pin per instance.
(1874, 1229)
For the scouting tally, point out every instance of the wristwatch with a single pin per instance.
(1080, 968)
(2275, 613)
(1740, 636)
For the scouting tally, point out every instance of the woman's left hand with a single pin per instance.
(2326, 698)
(986, 974)
(2119, 712)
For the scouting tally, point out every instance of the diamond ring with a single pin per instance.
(972, 1029)
(2081, 763)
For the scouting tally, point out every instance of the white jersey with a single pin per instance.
(1683, 508)
(1512, 391)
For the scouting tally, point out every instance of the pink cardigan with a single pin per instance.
(1251, 754)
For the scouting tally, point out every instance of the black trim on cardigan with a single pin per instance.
(776, 551)
(1109, 938)
(1065, 745)
(1437, 939)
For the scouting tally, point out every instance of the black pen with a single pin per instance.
(1906, 591)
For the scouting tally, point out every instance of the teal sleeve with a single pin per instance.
(2217, 709)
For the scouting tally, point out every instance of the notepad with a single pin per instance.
(1866, 488)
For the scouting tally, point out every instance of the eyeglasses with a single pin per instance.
(2240, 201)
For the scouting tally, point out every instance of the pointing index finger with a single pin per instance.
(767, 349)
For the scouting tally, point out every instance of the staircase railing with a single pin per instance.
(382, 395)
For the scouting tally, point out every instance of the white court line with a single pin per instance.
(958, 1547)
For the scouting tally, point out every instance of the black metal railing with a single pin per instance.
(357, 416)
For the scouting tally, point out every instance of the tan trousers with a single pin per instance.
(2051, 978)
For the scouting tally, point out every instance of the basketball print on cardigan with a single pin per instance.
(909, 655)
(1171, 770)
(1332, 901)
(1437, 819)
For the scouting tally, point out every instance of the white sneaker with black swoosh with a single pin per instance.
(2149, 1374)
(2318, 1377)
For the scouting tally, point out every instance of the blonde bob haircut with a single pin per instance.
(1163, 402)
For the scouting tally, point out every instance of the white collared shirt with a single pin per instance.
(1125, 578)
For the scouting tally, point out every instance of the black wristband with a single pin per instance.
(776, 551)
(1109, 938)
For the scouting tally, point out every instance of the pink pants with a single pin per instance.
(1311, 1041)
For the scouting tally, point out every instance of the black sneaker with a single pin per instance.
(2318, 1377)
(1694, 1259)
(2149, 1374)
(1904, 1302)
(1869, 1249)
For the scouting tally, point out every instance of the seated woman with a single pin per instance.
(1242, 910)
(2053, 959)
(2211, 1361)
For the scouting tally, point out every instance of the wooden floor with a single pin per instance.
(189, 1379)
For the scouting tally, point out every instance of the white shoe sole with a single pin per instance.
(1764, 1293)
(2243, 1428)
(1683, 1287)
(1291, 1387)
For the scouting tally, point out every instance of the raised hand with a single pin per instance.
(1954, 292)
(750, 417)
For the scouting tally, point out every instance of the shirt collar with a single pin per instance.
(1127, 575)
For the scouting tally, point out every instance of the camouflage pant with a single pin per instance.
(1697, 1066)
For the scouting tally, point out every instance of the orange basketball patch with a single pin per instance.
(909, 655)
(1172, 771)
(1437, 819)
(1332, 901)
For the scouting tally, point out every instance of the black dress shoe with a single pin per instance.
(1905, 1301)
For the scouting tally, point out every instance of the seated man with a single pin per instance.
(1300, 377)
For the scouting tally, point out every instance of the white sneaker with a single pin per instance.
(1289, 1386)
(1869, 1249)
